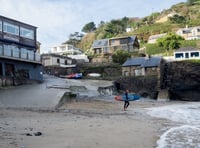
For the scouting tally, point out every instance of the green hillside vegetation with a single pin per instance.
(185, 14)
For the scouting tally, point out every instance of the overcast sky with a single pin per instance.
(57, 19)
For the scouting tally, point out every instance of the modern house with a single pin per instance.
(153, 38)
(70, 51)
(187, 53)
(192, 33)
(56, 64)
(104, 48)
(19, 57)
(141, 66)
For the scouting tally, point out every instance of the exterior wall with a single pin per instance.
(131, 71)
(34, 71)
(138, 71)
(51, 60)
(100, 60)
(152, 71)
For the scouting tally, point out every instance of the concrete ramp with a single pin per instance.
(33, 95)
(49, 93)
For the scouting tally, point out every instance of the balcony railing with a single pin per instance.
(20, 54)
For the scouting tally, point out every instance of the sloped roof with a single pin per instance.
(132, 39)
(134, 61)
(105, 42)
(151, 62)
(143, 62)
(184, 49)
(100, 43)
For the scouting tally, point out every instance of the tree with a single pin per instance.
(170, 41)
(190, 2)
(120, 56)
(177, 19)
(74, 39)
(89, 27)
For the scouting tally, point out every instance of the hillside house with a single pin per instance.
(141, 66)
(56, 64)
(70, 51)
(104, 48)
(19, 57)
(187, 53)
(192, 33)
(153, 38)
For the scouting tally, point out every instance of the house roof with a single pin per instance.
(156, 36)
(134, 61)
(184, 49)
(100, 43)
(143, 62)
(105, 42)
(132, 39)
(151, 62)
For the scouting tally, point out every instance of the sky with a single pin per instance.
(57, 19)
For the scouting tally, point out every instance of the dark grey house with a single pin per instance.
(142, 66)
(19, 57)
(104, 48)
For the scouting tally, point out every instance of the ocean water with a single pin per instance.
(186, 130)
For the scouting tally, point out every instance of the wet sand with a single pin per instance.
(81, 124)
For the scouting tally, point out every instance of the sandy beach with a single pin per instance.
(82, 124)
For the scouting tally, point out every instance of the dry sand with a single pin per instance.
(82, 124)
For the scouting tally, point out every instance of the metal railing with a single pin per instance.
(20, 54)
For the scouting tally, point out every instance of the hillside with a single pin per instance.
(155, 23)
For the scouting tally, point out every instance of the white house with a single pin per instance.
(70, 51)
(65, 48)
(191, 33)
(56, 60)
(187, 53)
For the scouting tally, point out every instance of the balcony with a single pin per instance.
(22, 54)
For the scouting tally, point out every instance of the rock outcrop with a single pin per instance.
(183, 81)
(144, 86)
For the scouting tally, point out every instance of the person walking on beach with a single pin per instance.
(126, 102)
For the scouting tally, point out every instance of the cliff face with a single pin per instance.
(183, 81)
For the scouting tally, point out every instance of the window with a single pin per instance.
(194, 54)
(179, 55)
(124, 41)
(27, 33)
(1, 49)
(24, 53)
(10, 28)
(58, 60)
(0, 25)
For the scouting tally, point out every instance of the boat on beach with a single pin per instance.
(94, 74)
(72, 76)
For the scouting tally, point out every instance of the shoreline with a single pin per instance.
(82, 124)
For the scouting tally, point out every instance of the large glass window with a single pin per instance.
(27, 33)
(10, 28)
(30, 54)
(1, 49)
(0, 25)
(15, 51)
(179, 55)
(194, 54)
(24, 53)
(7, 50)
